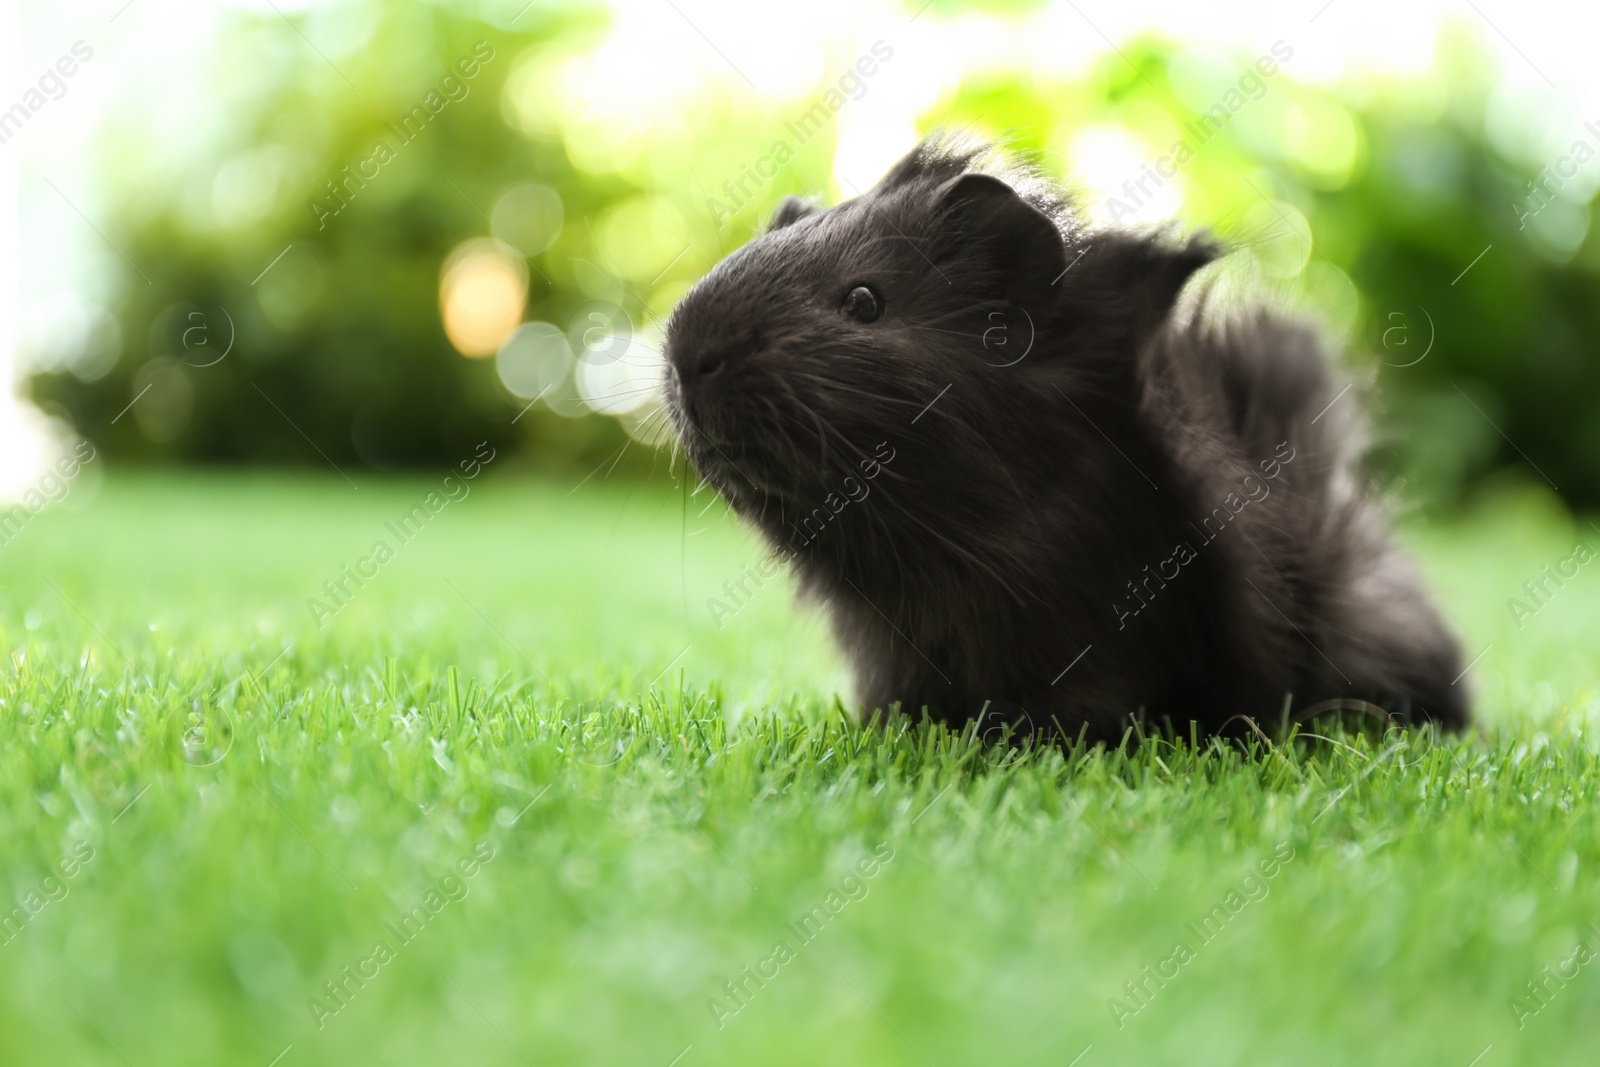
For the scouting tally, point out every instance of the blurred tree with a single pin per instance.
(317, 256)
(1487, 331)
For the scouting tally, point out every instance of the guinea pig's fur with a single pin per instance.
(1085, 511)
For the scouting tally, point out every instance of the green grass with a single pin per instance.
(257, 817)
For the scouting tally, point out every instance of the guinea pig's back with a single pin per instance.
(1254, 417)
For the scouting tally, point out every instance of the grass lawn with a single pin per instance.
(519, 801)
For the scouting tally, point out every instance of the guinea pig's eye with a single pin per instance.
(862, 304)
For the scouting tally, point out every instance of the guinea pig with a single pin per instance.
(1089, 511)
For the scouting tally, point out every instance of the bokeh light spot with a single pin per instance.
(529, 216)
(534, 360)
(614, 386)
(164, 399)
(482, 292)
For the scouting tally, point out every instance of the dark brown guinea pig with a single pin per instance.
(1020, 481)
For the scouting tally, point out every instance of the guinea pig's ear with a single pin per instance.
(1018, 241)
(791, 209)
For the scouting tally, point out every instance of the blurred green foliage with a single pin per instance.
(1370, 204)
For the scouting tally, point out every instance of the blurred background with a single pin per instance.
(368, 234)
(256, 252)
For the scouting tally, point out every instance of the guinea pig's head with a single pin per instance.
(902, 321)
(828, 334)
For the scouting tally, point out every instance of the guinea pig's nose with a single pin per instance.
(706, 363)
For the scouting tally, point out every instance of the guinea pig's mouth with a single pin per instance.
(735, 466)
(748, 460)
(729, 462)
